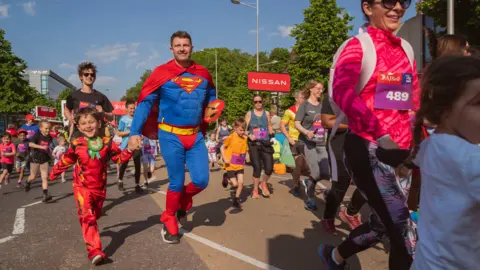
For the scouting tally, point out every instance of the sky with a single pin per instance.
(125, 37)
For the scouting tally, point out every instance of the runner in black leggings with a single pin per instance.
(260, 148)
(335, 195)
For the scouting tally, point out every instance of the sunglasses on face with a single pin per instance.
(89, 74)
(257, 102)
(390, 4)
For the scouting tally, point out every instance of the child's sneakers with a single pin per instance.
(236, 202)
(225, 180)
(120, 185)
(46, 198)
(97, 259)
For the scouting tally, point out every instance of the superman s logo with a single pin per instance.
(188, 83)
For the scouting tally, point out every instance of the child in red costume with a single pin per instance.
(90, 153)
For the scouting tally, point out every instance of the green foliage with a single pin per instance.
(133, 92)
(16, 96)
(467, 16)
(324, 29)
(62, 96)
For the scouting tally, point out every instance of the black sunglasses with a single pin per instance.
(390, 4)
(89, 74)
(257, 102)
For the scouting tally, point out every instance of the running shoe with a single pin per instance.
(325, 253)
(169, 238)
(352, 221)
(311, 205)
(138, 189)
(225, 180)
(182, 216)
(64, 181)
(46, 198)
(236, 203)
(7, 181)
(19, 184)
(329, 226)
(120, 186)
(27, 186)
(295, 191)
(306, 184)
(264, 189)
(145, 184)
(97, 259)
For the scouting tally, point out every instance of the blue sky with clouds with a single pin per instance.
(125, 37)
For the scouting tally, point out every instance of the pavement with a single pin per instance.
(274, 233)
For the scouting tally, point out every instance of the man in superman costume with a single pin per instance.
(173, 102)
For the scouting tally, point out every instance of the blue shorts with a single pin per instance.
(149, 158)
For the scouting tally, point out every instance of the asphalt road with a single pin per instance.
(275, 233)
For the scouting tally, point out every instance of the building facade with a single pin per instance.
(47, 82)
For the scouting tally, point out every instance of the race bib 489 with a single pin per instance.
(394, 91)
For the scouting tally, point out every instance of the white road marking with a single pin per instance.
(221, 248)
(32, 204)
(230, 252)
(6, 239)
(19, 226)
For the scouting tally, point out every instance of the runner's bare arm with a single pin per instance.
(328, 121)
(269, 123)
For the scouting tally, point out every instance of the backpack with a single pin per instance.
(369, 63)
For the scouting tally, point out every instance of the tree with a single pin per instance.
(467, 16)
(325, 27)
(62, 96)
(16, 96)
(133, 92)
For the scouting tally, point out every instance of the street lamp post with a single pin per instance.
(216, 72)
(216, 68)
(450, 17)
(237, 2)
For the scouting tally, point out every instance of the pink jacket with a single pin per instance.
(363, 119)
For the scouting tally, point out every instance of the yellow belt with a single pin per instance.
(178, 130)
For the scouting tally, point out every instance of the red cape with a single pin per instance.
(159, 76)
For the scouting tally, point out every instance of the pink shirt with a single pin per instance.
(7, 148)
(363, 119)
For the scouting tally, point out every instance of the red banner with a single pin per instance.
(45, 112)
(119, 108)
(272, 82)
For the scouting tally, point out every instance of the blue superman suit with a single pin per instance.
(181, 103)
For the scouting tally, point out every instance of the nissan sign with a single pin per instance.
(272, 82)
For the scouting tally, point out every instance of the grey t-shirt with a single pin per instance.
(310, 117)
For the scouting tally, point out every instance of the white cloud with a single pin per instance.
(149, 61)
(100, 80)
(4, 11)
(29, 7)
(110, 53)
(285, 30)
(66, 66)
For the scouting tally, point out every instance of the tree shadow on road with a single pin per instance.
(130, 194)
(132, 228)
(291, 252)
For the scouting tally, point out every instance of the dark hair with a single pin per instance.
(443, 83)
(84, 66)
(84, 112)
(129, 102)
(240, 122)
(180, 34)
(256, 95)
(361, 8)
(449, 45)
(6, 134)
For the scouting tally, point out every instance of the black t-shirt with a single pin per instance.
(78, 99)
(22, 151)
(39, 155)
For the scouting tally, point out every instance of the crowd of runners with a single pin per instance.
(373, 124)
